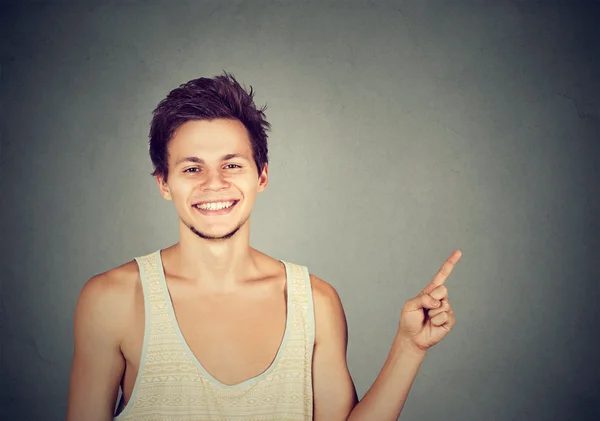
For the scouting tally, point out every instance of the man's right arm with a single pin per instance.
(98, 363)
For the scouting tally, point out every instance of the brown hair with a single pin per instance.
(207, 99)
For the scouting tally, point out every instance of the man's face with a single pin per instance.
(213, 179)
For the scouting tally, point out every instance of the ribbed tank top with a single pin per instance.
(172, 385)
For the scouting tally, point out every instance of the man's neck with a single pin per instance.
(217, 265)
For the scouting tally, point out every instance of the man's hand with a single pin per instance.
(428, 317)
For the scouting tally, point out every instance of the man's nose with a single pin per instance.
(214, 180)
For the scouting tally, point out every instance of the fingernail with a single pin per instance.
(436, 303)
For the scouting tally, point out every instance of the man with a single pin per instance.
(212, 329)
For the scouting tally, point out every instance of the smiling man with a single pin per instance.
(211, 328)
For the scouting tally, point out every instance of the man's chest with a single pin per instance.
(233, 338)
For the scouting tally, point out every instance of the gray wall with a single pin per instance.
(401, 131)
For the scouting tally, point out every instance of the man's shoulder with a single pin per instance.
(120, 278)
(325, 296)
(330, 319)
(322, 290)
(112, 291)
(106, 305)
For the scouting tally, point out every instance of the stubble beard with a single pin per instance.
(214, 238)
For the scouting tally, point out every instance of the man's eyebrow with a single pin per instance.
(191, 159)
(233, 155)
(196, 160)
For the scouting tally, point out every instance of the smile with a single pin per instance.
(215, 208)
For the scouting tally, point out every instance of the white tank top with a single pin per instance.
(172, 385)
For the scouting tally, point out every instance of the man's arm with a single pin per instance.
(425, 320)
(386, 397)
(97, 364)
(334, 393)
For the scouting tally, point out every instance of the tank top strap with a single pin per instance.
(150, 273)
(163, 346)
(301, 302)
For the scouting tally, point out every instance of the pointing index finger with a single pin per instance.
(442, 274)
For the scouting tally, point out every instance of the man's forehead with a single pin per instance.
(212, 128)
(211, 143)
(201, 160)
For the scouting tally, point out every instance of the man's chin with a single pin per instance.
(213, 236)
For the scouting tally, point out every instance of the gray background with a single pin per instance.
(401, 131)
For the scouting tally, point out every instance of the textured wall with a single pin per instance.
(401, 131)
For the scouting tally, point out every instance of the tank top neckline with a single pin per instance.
(192, 356)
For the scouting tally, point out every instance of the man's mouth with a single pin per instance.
(215, 206)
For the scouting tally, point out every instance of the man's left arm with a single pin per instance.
(335, 396)
(333, 389)
(424, 321)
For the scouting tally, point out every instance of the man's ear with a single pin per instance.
(163, 187)
(263, 178)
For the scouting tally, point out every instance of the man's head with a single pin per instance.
(221, 97)
(208, 143)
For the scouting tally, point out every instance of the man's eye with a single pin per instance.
(232, 165)
(190, 170)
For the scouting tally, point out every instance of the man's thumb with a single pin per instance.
(421, 301)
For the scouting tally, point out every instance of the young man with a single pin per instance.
(212, 329)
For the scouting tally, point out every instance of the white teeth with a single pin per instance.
(215, 205)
